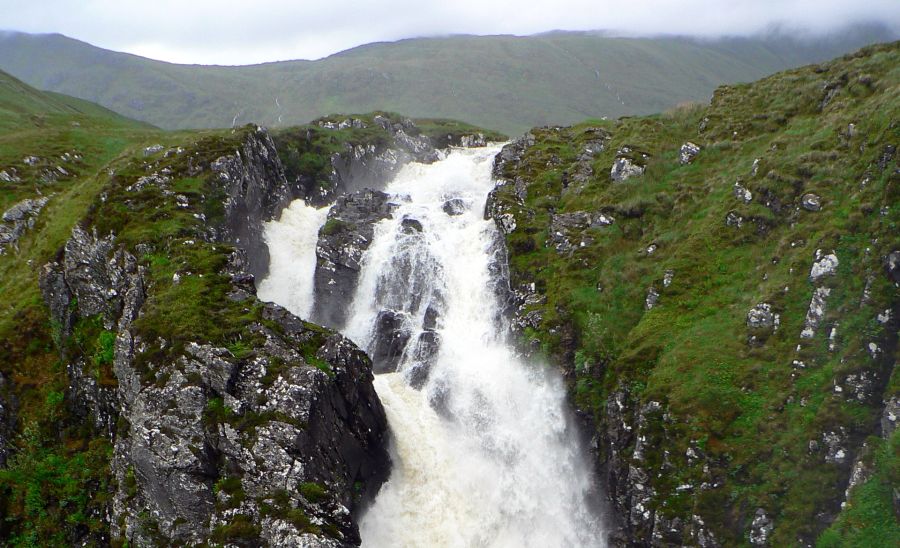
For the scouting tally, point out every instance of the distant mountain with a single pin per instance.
(504, 82)
(22, 106)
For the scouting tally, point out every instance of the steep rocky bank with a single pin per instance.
(718, 284)
(273, 432)
(209, 416)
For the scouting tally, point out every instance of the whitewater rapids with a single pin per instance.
(484, 452)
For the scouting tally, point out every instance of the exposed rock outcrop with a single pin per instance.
(17, 220)
(256, 191)
(273, 442)
(342, 241)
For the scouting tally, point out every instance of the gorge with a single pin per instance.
(677, 329)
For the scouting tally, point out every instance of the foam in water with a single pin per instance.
(292, 257)
(483, 453)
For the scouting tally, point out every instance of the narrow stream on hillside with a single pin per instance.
(484, 449)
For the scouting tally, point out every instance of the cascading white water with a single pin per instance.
(292, 257)
(483, 454)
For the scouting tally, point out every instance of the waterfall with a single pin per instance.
(292, 257)
(483, 447)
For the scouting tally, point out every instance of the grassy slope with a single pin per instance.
(502, 82)
(745, 407)
(59, 475)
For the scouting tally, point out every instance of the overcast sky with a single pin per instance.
(253, 31)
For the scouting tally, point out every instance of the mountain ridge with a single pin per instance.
(509, 83)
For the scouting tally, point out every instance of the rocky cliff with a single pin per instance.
(257, 428)
(718, 285)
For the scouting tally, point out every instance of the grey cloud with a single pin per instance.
(206, 31)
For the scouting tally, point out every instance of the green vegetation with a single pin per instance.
(869, 518)
(743, 406)
(507, 83)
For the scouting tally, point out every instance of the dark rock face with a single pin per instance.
(390, 340)
(256, 191)
(343, 239)
(317, 426)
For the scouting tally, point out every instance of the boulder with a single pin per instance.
(687, 153)
(811, 202)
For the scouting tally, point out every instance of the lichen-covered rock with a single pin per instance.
(815, 313)
(761, 528)
(342, 241)
(687, 152)
(277, 441)
(18, 219)
(825, 264)
(625, 168)
(742, 193)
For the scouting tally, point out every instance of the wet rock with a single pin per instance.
(342, 241)
(425, 351)
(687, 153)
(473, 141)
(256, 191)
(410, 225)
(390, 339)
(811, 202)
(761, 528)
(825, 264)
(454, 206)
(326, 427)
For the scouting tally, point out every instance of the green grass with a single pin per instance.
(690, 352)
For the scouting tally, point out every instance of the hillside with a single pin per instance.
(502, 82)
(720, 285)
(128, 314)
